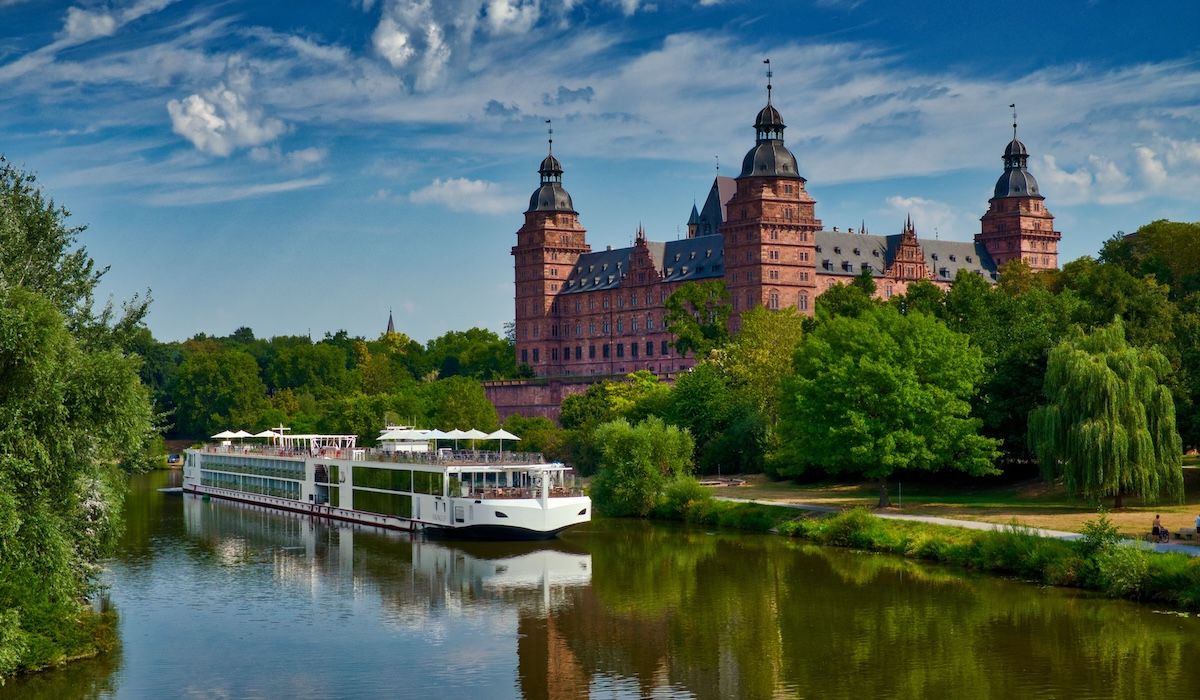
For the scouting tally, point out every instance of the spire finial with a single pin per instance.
(718, 159)
(550, 134)
(769, 74)
(1014, 109)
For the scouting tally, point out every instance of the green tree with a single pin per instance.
(217, 389)
(881, 393)
(459, 402)
(1108, 428)
(1168, 250)
(475, 352)
(697, 314)
(636, 463)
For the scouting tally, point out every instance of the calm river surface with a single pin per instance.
(227, 601)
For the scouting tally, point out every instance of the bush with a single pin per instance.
(1099, 535)
(1123, 570)
(636, 463)
(678, 497)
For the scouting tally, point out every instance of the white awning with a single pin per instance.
(502, 434)
(224, 435)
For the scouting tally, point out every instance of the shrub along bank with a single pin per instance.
(1097, 561)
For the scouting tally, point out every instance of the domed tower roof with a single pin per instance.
(1016, 181)
(769, 157)
(550, 195)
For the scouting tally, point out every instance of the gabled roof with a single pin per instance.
(713, 214)
(844, 253)
(683, 260)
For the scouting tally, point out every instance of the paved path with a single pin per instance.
(965, 524)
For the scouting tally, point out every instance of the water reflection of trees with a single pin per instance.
(737, 615)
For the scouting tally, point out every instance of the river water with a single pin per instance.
(219, 600)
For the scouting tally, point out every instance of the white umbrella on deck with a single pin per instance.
(269, 434)
(456, 435)
(474, 434)
(224, 435)
(502, 435)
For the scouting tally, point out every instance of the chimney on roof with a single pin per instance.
(835, 229)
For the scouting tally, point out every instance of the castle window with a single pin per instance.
(649, 322)
(620, 325)
(774, 234)
(953, 257)
(591, 328)
(578, 352)
(605, 349)
(524, 357)
(677, 257)
(692, 256)
(633, 324)
(708, 253)
(837, 250)
(649, 298)
(605, 302)
(934, 256)
(802, 301)
(968, 258)
(554, 354)
(605, 327)
(804, 235)
(649, 348)
(576, 306)
(633, 350)
(620, 302)
(578, 329)
(536, 356)
(633, 298)
(773, 300)
(804, 275)
(620, 349)
(857, 251)
(537, 330)
(591, 352)
(666, 349)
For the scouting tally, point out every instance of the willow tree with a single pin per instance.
(1108, 428)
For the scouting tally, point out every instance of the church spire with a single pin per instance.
(391, 327)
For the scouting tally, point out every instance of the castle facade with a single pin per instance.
(582, 314)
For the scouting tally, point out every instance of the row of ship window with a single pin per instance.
(251, 484)
(256, 465)
(606, 351)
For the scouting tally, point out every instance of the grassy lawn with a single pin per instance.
(1032, 503)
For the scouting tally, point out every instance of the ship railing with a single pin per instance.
(504, 492)
(443, 457)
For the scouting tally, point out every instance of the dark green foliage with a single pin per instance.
(697, 314)
(636, 463)
(1108, 428)
(879, 393)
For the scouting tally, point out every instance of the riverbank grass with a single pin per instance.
(1097, 561)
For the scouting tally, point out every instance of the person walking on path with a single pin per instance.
(1157, 530)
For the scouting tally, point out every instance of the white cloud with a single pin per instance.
(512, 16)
(1162, 167)
(930, 218)
(84, 25)
(306, 157)
(391, 42)
(224, 193)
(461, 194)
(224, 118)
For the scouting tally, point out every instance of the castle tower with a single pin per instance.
(770, 226)
(547, 247)
(1017, 224)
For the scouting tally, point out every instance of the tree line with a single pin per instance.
(1090, 374)
(338, 384)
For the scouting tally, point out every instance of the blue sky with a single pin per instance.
(304, 166)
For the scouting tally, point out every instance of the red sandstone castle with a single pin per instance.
(584, 314)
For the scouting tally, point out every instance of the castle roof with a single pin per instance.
(848, 254)
(684, 260)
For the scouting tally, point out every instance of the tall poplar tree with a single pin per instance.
(1108, 428)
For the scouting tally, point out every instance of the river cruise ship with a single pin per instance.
(403, 484)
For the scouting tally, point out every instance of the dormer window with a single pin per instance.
(857, 251)
(934, 256)
(953, 258)
(837, 250)
(875, 253)
(677, 257)
(708, 253)
(969, 258)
